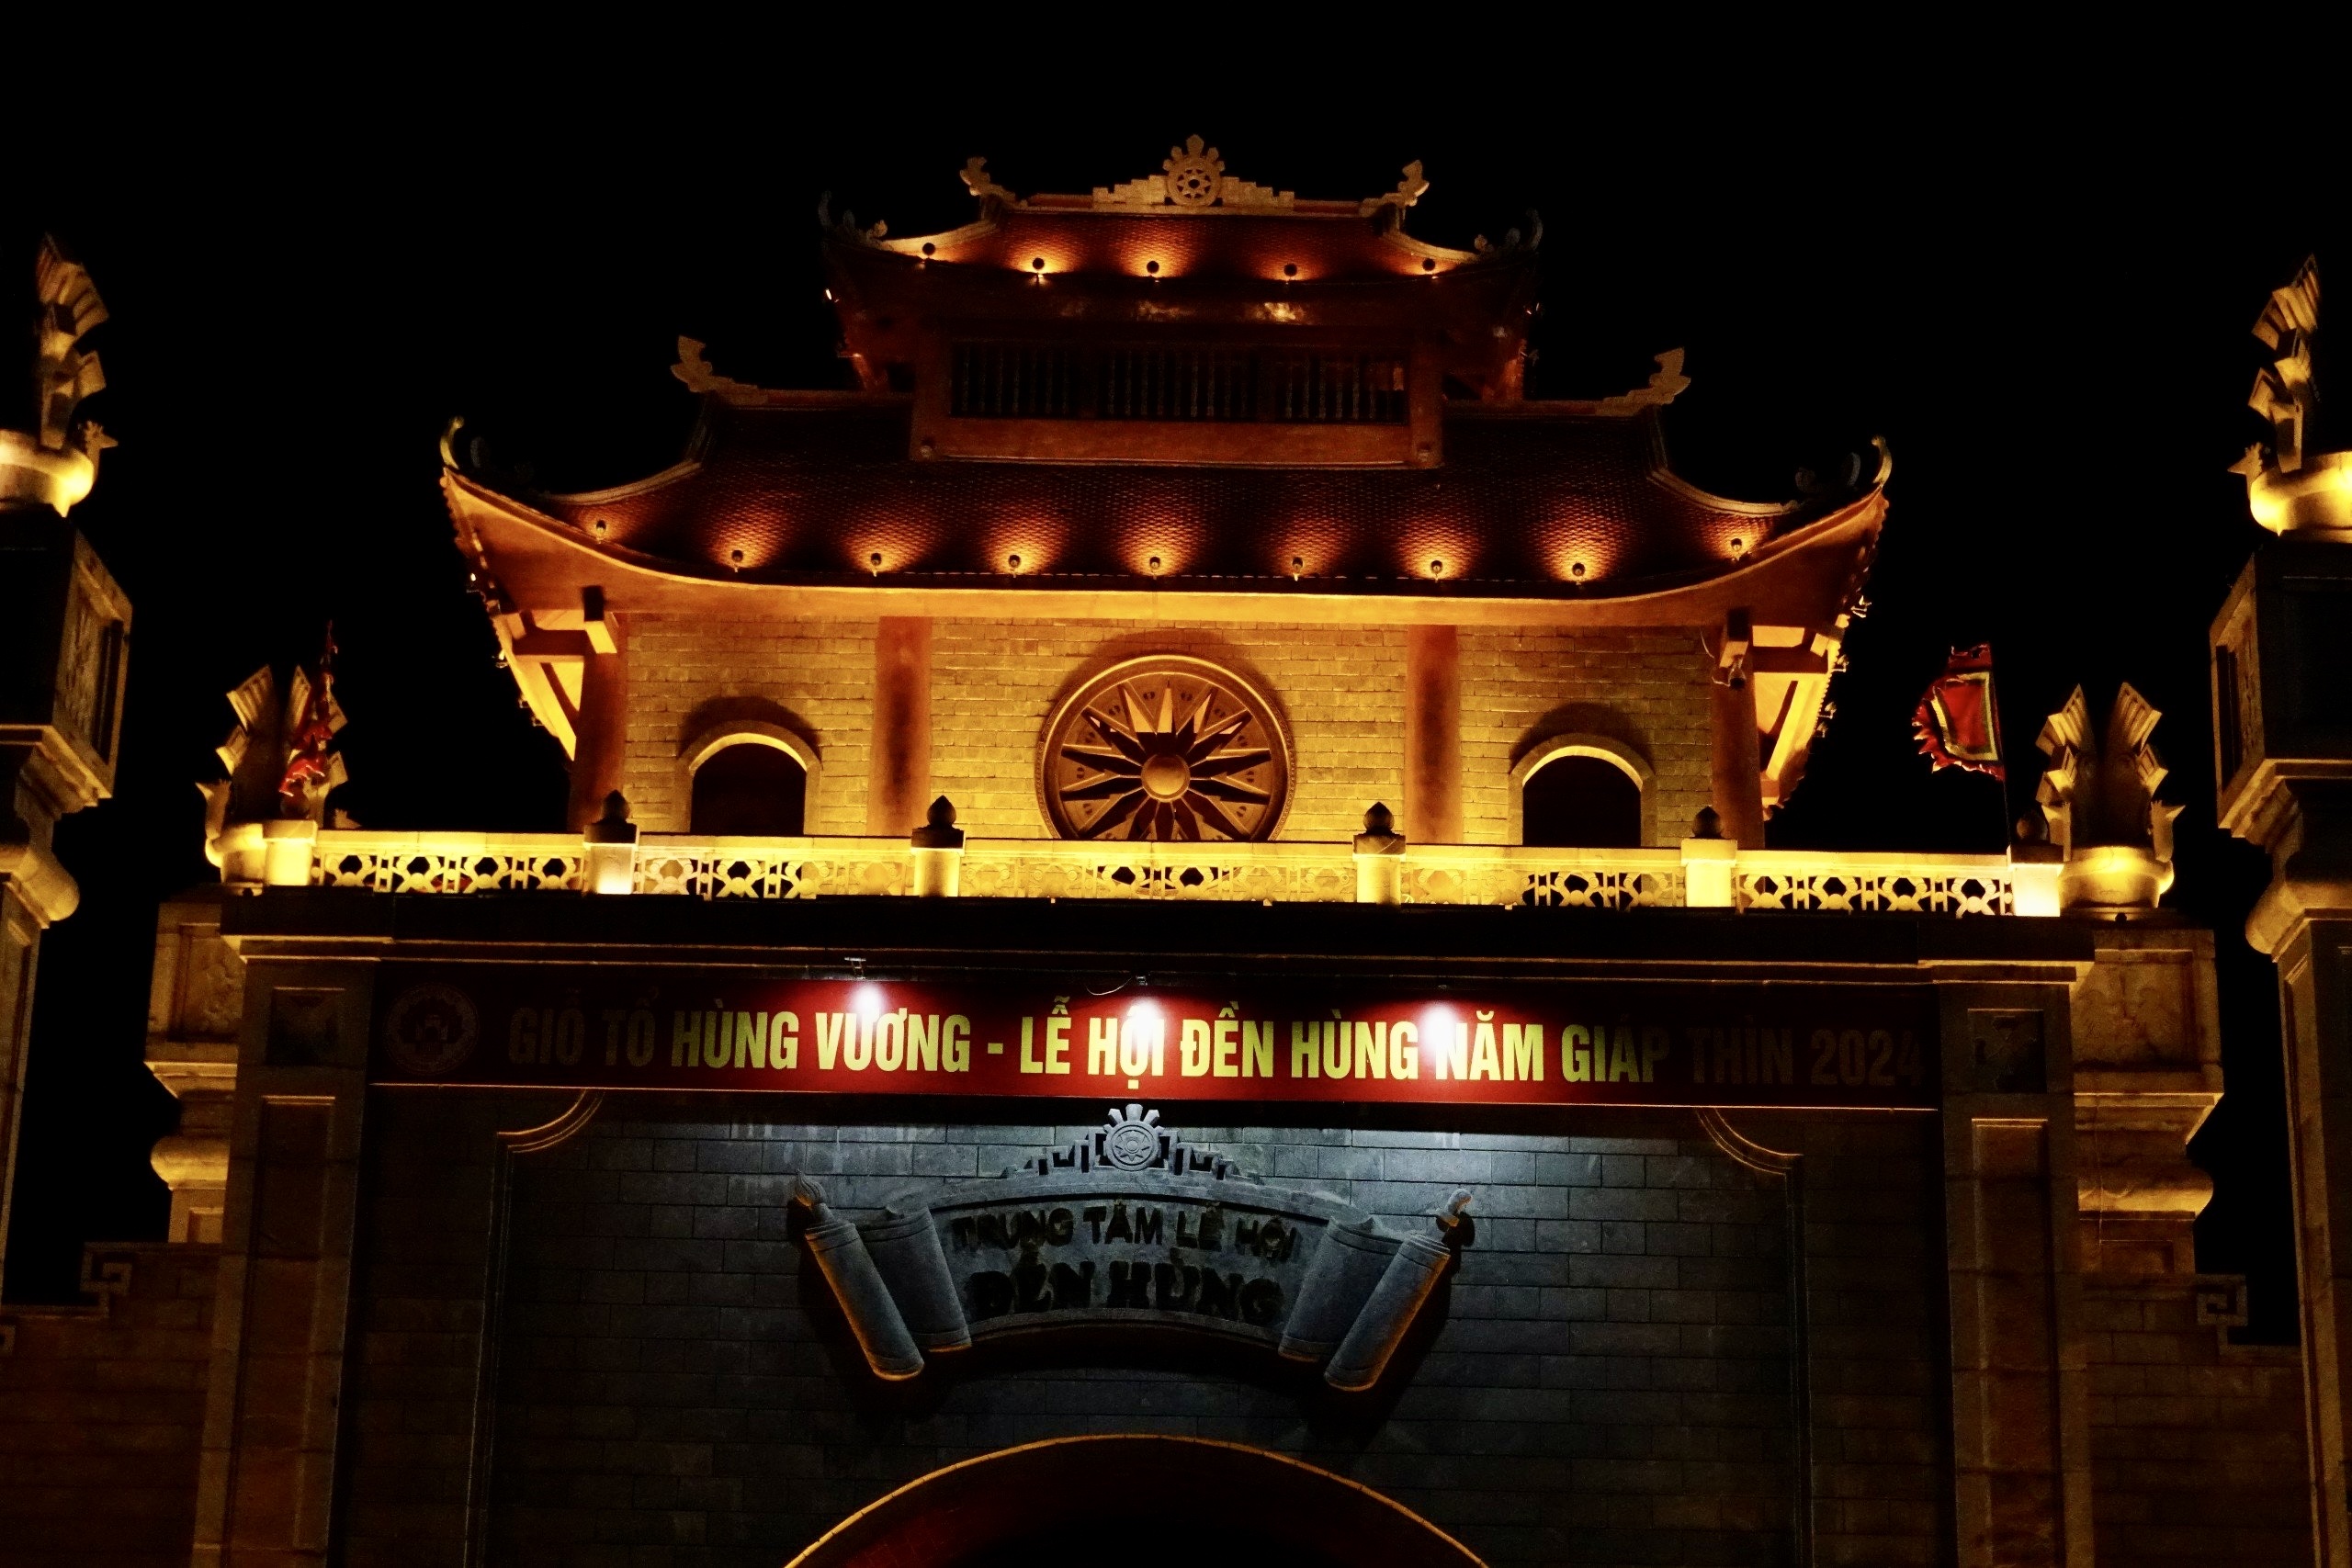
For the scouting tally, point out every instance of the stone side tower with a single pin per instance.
(2282, 707)
(64, 625)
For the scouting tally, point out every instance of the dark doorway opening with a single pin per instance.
(750, 789)
(1581, 802)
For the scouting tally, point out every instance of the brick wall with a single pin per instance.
(994, 685)
(820, 673)
(104, 1412)
(1608, 1379)
(2197, 1445)
(1647, 689)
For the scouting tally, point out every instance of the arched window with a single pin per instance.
(1582, 792)
(751, 789)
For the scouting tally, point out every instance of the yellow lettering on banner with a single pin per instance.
(1306, 1042)
(1779, 1056)
(1656, 1041)
(1483, 1061)
(1102, 1047)
(522, 1036)
(784, 1043)
(1624, 1061)
(642, 1030)
(1452, 1051)
(1257, 1049)
(1372, 1050)
(1056, 1044)
(890, 1041)
(571, 1036)
(1194, 1062)
(616, 1019)
(715, 1051)
(831, 1027)
(1404, 1049)
(685, 1040)
(1523, 1052)
(1143, 1044)
(1336, 1049)
(1729, 1068)
(1029, 1064)
(955, 1039)
(857, 1041)
(1221, 1049)
(751, 1040)
(1576, 1054)
(922, 1042)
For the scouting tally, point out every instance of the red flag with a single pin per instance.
(1958, 723)
(310, 765)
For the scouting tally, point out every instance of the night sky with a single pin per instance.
(2049, 325)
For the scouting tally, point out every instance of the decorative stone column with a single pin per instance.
(2282, 648)
(1737, 760)
(67, 626)
(1433, 733)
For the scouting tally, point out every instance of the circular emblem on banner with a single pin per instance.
(431, 1030)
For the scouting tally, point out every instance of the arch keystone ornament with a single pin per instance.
(1130, 1227)
(1167, 749)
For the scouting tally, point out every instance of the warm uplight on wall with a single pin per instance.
(735, 561)
(1576, 568)
(1738, 547)
(1151, 269)
(874, 561)
(600, 527)
(1290, 270)
(1436, 567)
(1013, 562)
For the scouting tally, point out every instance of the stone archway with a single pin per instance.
(1137, 1500)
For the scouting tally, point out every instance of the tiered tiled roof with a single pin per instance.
(1532, 496)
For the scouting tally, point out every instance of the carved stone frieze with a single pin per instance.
(1129, 1227)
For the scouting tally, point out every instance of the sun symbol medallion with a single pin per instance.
(1167, 749)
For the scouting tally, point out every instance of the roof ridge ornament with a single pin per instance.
(2290, 488)
(1665, 383)
(1409, 190)
(699, 376)
(982, 185)
(1193, 180)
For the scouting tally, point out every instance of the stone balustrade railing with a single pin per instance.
(1701, 872)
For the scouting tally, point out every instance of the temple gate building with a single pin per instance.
(1166, 944)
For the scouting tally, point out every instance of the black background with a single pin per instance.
(2040, 295)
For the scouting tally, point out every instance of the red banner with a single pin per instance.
(1597, 1041)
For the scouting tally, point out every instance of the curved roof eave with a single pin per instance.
(549, 562)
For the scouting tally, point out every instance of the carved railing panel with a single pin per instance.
(1545, 878)
(1278, 873)
(1874, 884)
(447, 862)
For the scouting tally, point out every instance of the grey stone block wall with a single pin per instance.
(1606, 1380)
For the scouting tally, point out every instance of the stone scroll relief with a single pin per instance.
(1129, 1226)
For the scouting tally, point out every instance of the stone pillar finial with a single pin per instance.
(608, 850)
(1380, 858)
(2098, 794)
(938, 850)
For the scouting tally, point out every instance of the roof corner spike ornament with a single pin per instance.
(55, 463)
(2098, 794)
(1958, 723)
(2291, 485)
